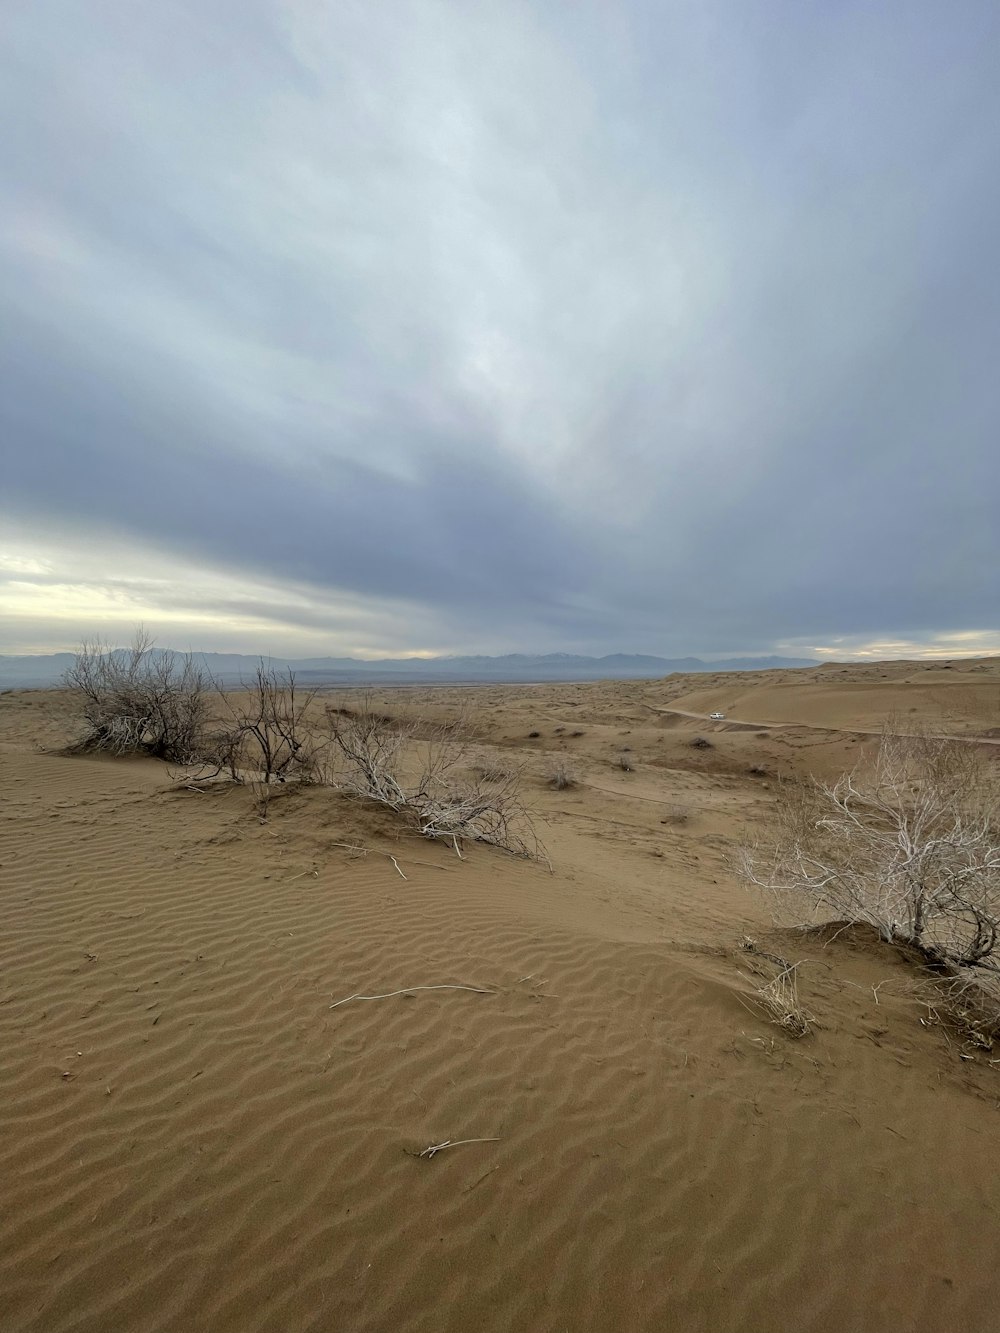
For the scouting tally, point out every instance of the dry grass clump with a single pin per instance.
(561, 776)
(776, 989)
(676, 814)
(966, 1006)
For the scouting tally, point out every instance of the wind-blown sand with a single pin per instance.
(192, 1139)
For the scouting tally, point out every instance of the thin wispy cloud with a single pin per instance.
(432, 327)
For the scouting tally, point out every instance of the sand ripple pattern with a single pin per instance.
(192, 1139)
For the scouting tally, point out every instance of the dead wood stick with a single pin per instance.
(450, 1143)
(407, 990)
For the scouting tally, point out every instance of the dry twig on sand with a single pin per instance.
(435, 1148)
(363, 851)
(407, 990)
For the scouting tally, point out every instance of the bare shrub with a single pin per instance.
(269, 728)
(481, 809)
(909, 844)
(561, 776)
(138, 699)
(221, 751)
(676, 814)
(433, 774)
(265, 738)
(373, 750)
(966, 1003)
(625, 763)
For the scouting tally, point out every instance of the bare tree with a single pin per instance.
(139, 699)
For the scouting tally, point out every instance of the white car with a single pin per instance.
(716, 717)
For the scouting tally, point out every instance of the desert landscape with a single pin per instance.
(565, 1109)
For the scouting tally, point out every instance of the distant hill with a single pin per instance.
(26, 672)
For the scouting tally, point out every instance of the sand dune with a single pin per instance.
(194, 1140)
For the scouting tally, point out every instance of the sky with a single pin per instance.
(662, 326)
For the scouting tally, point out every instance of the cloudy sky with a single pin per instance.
(380, 327)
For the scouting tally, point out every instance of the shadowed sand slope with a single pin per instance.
(192, 1139)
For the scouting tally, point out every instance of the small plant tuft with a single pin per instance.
(561, 776)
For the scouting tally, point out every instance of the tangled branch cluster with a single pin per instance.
(909, 845)
(140, 699)
(433, 775)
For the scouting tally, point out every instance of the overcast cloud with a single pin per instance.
(385, 327)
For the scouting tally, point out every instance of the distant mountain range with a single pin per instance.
(26, 672)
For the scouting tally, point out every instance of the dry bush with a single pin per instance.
(964, 1002)
(265, 738)
(909, 845)
(481, 809)
(624, 762)
(269, 728)
(432, 773)
(561, 776)
(372, 750)
(138, 699)
(676, 814)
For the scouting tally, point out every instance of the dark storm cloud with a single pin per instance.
(665, 327)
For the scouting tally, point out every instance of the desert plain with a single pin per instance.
(192, 1139)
